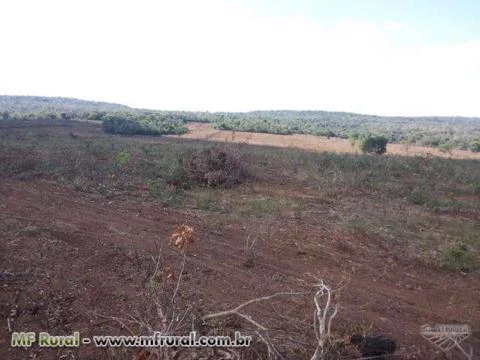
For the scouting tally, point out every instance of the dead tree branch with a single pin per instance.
(322, 319)
(236, 311)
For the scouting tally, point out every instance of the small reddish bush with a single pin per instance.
(216, 166)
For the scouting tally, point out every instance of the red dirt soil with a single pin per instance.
(70, 261)
(84, 263)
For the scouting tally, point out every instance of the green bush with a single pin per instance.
(142, 123)
(122, 159)
(475, 146)
(373, 144)
(460, 257)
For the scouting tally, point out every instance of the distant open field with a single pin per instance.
(205, 131)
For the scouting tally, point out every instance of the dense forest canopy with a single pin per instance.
(447, 132)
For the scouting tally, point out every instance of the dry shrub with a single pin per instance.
(217, 166)
(182, 236)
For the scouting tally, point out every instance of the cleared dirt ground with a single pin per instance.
(74, 261)
(205, 131)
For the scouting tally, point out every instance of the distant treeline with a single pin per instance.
(449, 132)
(116, 119)
(43, 104)
(129, 122)
(443, 132)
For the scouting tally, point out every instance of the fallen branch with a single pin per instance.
(236, 311)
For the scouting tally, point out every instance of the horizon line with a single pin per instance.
(241, 112)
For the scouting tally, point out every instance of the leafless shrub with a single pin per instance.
(217, 166)
(163, 307)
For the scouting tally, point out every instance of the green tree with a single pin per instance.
(373, 144)
(475, 146)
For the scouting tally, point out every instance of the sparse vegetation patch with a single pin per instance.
(460, 257)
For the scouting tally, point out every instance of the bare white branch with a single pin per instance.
(322, 319)
(236, 311)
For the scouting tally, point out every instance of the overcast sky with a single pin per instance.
(384, 57)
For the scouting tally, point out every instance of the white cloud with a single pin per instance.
(209, 55)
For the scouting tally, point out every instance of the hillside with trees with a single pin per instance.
(443, 132)
(38, 104)
(456, 132)
(115, 118)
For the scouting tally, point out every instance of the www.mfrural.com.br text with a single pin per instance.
(44, 339)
